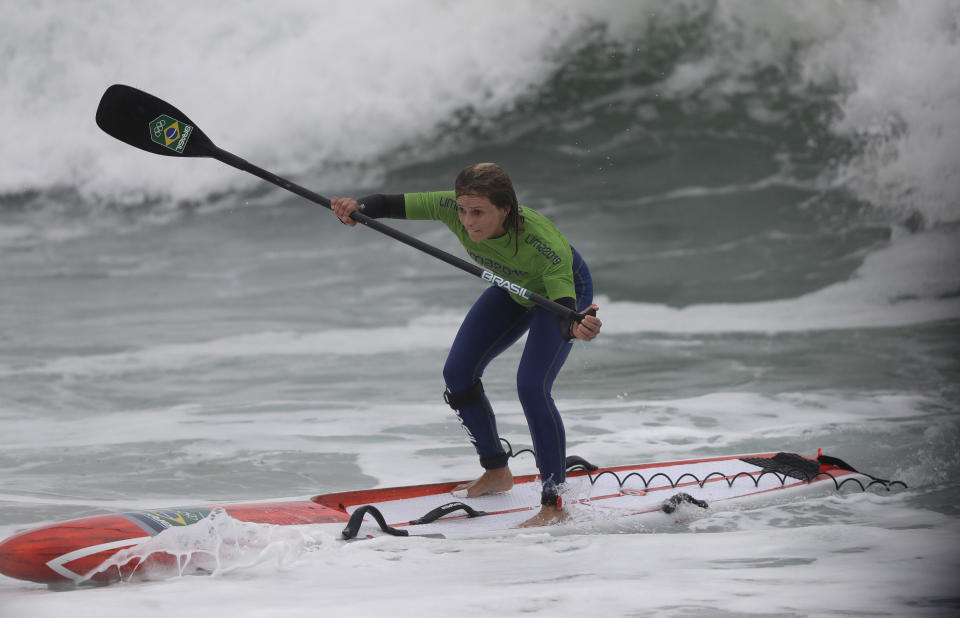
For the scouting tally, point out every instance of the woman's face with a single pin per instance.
(482, 219)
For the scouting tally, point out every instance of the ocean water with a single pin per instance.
(768, 195)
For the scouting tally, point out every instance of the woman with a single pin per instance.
(524, 247)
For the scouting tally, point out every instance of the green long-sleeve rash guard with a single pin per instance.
(543, 262)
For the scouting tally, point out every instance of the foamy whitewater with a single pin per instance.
(768, 196)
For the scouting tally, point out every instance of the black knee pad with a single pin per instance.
(465, 398)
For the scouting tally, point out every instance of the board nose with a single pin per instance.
(18, 559)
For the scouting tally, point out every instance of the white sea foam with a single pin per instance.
(220, 544)
(299, 88)
(292, 87)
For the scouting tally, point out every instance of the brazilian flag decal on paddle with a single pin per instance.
(170, 132)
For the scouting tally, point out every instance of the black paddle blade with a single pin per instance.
(146, 122)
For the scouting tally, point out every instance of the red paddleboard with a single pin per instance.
(70, 552)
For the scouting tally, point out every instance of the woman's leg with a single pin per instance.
(493, 323)
(543, 356)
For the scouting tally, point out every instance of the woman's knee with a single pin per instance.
(532, 392)
(456, 375)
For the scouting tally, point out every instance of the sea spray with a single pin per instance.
(217, 544)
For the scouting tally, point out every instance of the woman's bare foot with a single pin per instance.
(490, 482)
(548, 516)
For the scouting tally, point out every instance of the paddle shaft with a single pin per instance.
(541, 301)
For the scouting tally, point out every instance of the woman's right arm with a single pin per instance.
(374, 206)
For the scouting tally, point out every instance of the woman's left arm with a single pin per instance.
(589, 328)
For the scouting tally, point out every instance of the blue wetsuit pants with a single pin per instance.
(494, 323)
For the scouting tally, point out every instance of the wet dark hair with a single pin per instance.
(489, 180)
